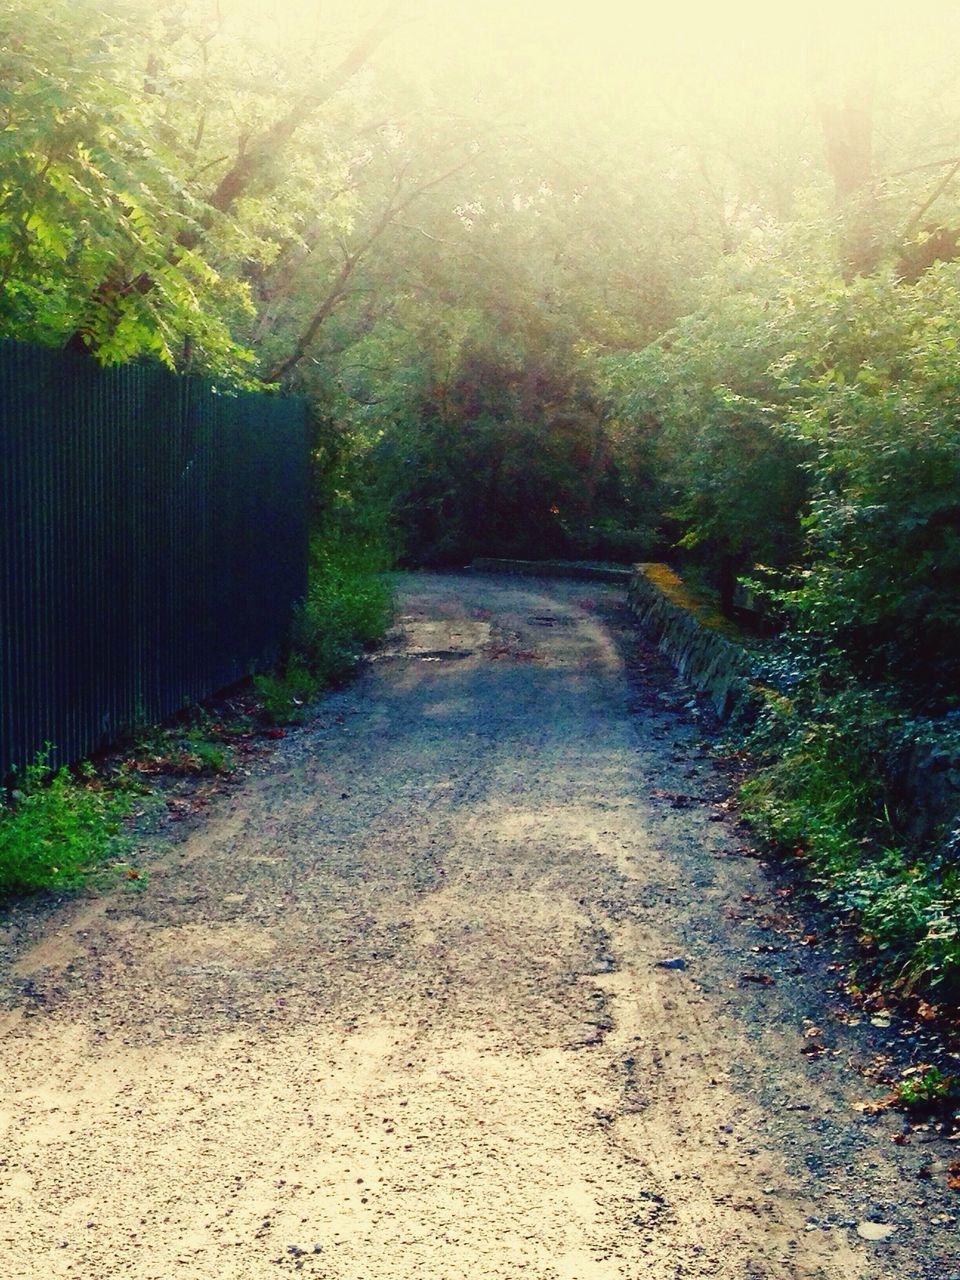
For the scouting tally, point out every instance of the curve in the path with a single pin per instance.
(395, 1012)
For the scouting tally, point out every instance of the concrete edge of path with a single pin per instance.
(581, 570)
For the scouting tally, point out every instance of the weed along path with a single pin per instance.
(398, 1009)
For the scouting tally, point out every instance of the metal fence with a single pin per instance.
(153, 542)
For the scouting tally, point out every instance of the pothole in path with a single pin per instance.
(551, 620)
(434, 640)
(441, 655)
(422, 655)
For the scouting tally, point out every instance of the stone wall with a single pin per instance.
(928, 777)
(713, 656)
(710, 653)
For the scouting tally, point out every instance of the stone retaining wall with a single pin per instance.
(929, 779)
(709, 652)
(717, 659)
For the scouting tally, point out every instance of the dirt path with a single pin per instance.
(394, 1012)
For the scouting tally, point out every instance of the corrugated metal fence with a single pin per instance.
(153, 541)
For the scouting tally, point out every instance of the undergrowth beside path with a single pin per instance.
(826, 793)
(57, 828)
(346, 611)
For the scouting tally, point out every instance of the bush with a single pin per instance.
(876, 401)
(347, 609)
(704, 406)
(807, 432)
(825, 793)
(57, 830)
(283, 694)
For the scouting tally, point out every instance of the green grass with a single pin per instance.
(59, 827)
(347, 610)
(57, 830)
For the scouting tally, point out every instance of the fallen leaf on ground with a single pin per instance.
(814, 1049)
(873, 1107)
(848, 1019)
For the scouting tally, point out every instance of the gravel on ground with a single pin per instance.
(476, 977)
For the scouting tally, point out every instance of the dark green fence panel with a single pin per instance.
(153, 544)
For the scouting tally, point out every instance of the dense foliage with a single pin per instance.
(56, 830)
(347, 610)
(609, 284)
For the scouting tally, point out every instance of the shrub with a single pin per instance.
(347, 609)
(825, 793)
(924, 1088)
(57, 829)
(283, 694)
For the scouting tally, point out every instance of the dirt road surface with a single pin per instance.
(395, 1010)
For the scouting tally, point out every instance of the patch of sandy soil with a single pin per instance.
(396, 1011)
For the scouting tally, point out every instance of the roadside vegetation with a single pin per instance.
(827, 794)
(347, 610)
(811, 427)
(59, 828)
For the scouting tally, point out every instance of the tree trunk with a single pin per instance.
(847, 126)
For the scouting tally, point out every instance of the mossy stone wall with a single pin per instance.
(709, 651)
(713, 656)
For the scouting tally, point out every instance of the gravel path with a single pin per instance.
(395, 1011)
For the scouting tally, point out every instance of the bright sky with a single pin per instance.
(620, 36)
(615, 62)
(678, 30)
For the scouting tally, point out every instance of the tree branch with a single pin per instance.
(395, 206)
(250, 161)
(931, 200)
(919, 168)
